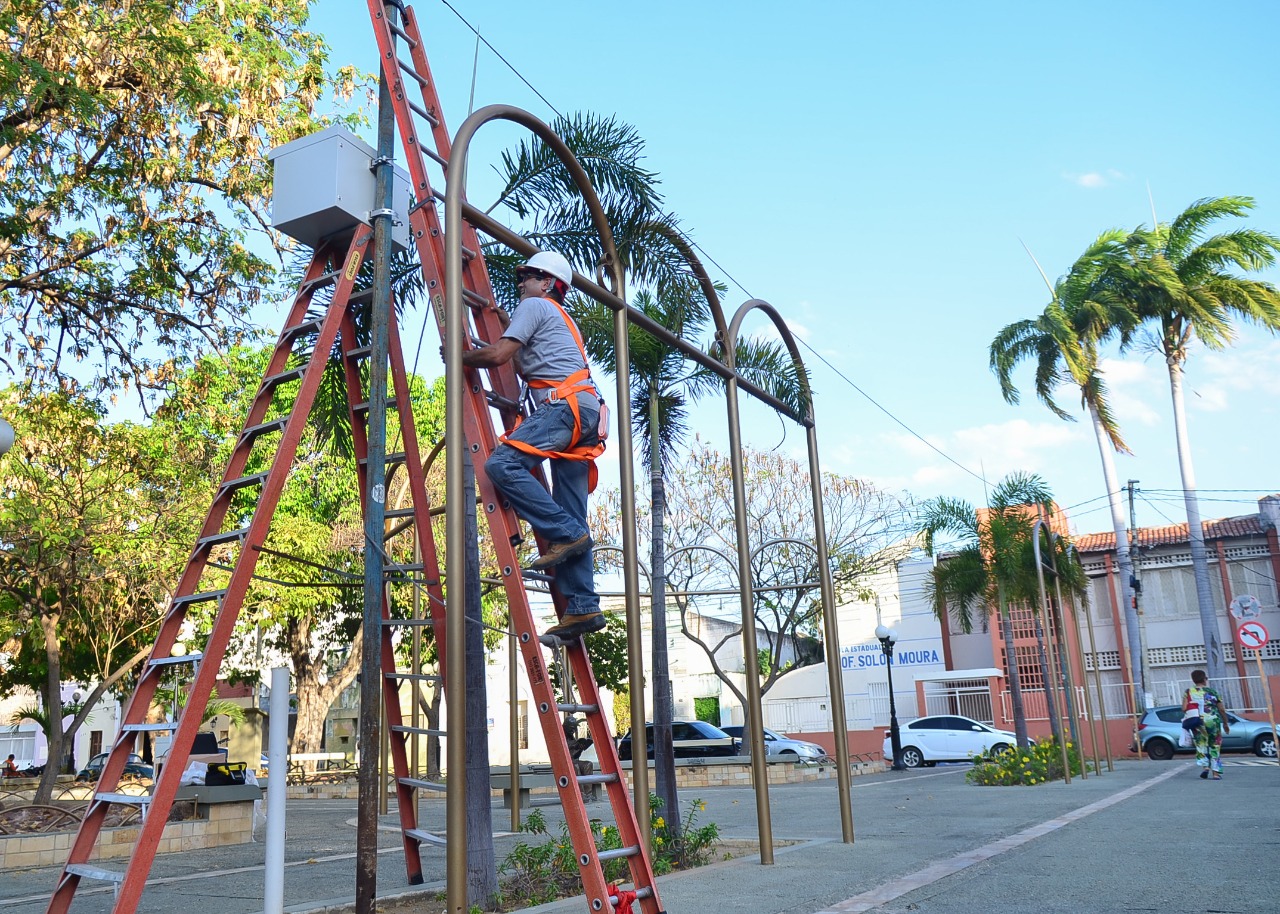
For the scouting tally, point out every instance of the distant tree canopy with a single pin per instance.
(133, 136)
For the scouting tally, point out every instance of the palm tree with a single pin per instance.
(1063, 343)
(1187, 291)
(989, 570)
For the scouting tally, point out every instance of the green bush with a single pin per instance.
(537, 873)
(1024, 767)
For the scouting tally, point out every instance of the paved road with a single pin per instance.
(1145, 837)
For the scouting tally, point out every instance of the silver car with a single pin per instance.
(778, 746)
(1161, 728)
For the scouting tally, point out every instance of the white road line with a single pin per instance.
(868, 901)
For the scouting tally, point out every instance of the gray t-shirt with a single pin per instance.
(548, 350)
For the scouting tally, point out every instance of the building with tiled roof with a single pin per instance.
(1244, 561)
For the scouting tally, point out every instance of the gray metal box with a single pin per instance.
(324, 185)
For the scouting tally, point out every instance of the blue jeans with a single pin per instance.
(561, 515)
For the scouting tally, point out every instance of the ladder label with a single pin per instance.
(535, 670)
(353, 265)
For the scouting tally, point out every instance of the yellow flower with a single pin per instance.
(658, 841)
(1025, 760)
(659, 822)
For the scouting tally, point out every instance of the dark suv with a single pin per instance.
(135, 767)
(691, 739)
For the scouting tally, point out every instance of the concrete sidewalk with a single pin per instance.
(1148, 836)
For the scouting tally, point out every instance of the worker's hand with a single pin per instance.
(503, 317)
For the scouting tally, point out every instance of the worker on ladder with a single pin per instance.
(568, 427)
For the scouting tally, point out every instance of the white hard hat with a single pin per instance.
(553, 263)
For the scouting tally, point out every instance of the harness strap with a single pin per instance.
(567, 390)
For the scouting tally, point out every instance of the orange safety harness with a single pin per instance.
(568, 390)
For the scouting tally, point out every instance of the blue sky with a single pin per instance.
(874, 170)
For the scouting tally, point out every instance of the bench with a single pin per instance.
(319, 768)
(531, 778)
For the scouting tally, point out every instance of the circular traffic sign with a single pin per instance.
(1245, 607)
(1252, 635)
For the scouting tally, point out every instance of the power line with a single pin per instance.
(498, 54)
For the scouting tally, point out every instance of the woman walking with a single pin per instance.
(1204, 714)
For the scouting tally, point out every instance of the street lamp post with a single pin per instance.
(887, 638)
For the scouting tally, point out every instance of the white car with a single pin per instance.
(947, 738)
(777, 745)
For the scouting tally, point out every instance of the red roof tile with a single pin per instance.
(1222, 528)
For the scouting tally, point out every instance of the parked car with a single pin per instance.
(947, 738)
(135, 767)
(691, 739)
(776, 745)
(1160, 729)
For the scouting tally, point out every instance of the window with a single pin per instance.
(95, 742)
(19, 743)
(522, 723)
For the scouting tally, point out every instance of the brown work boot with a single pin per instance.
(571, 628)
(561, 552)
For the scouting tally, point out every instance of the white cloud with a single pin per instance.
(1132, 388)
(1095, 179)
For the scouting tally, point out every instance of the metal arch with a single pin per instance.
(641, 565)
(455, 183)
(704, 281)
(1050, 693)
(831, 633)
(1070, 550)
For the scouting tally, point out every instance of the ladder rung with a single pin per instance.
(265, 428)
(581, 709)
(243, 482)
(398, 512)
(202, 597)
(475, 298)
(127, 799)
(415, 677)
(413, 74)
(597, 779)
(425, 836)
(401, 33)
(396, 458)
(420, 731)
(284, 377)
(360, 352)
(226, 536)
(620, 852)
(536, 576)
(435, 156)
(403, 569)
(85, 871)
(425, 114)
(392, 403)
(324, 279)
(173, 661)
(410, 623)
(298, 330)
(150, 728)
(360, 295)
(422, 785)
(500, 402)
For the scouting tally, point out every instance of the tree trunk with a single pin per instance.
(664, 762)
(1124, 562)
(53, 708)
(1195, 529)
(1011, 662)
(314, 698)
(482, 866)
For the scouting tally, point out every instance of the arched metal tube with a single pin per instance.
(455, 327)
(830, 629)
(1051, 694)
(1075, 626)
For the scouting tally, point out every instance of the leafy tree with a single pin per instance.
(89, 542)
(867, 530)
(1063, 342)
(132, 173)
(989, 570)
(1179, 279)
